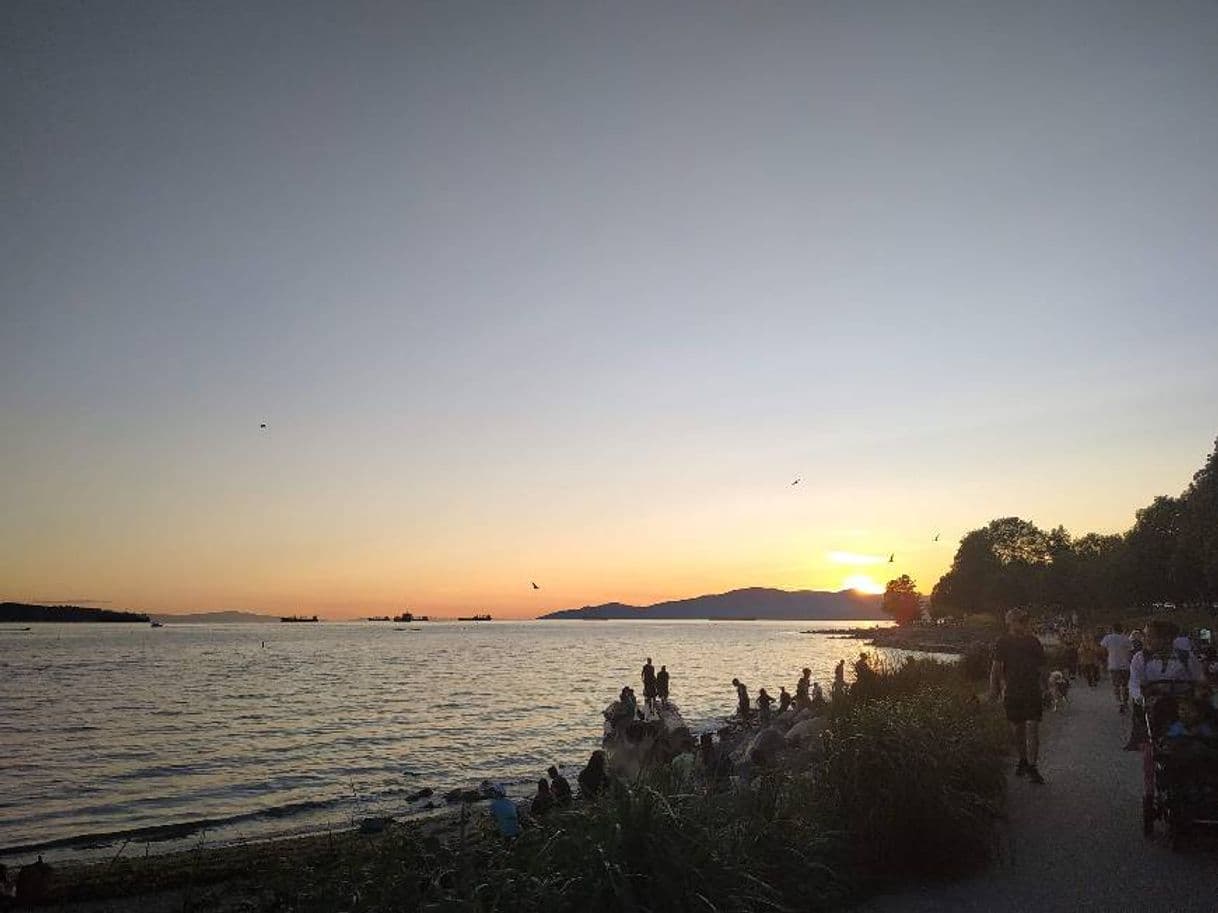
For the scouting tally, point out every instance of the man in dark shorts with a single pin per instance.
(1016, 671)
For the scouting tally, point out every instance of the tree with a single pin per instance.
(902, 600)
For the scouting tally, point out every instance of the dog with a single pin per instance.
(1059, 688)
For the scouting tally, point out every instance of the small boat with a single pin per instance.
(475, 618)
(297, 618)
(157, 624)
(378, 618)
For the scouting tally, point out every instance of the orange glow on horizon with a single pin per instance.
(863, 584)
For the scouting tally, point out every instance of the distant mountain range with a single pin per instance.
(754, 602)
(204, 618)
(21, 611)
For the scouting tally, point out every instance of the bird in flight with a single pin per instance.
(892, 557)
(535, 586)
(797, 478)
(936, 537)
(263, 426)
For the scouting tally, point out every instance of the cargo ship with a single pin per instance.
(475, 618)
(297, 618)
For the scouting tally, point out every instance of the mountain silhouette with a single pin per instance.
(753, 602)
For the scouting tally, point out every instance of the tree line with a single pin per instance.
(1170, 555)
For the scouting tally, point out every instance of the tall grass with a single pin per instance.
(910, 784)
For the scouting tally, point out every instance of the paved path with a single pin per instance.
(1076, 843)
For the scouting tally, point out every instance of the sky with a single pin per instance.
(572, 292)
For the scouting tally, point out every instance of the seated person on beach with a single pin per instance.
(503, 810)
(543, 801)
(593, 780)
(559, 787)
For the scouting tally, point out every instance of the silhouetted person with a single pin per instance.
(627, 704)
(818, 698)
(662, 686)
(839, 679)
(649, 683)
(716, 765)
(784, 700)
(801, 690)
(560, 789)
(763, 705)
(33, 882)
(544, 800)
(742, 699)
(503, 810)
(864, 676)
(593, 780)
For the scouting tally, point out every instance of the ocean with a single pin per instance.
(220, 733)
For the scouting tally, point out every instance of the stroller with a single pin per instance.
(1180, 776)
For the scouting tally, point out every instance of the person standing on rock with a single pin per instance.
(764, 701)
(1015, 672)
(649, 684)
(802, 700)
(662, 686)
(784, 700)
(1120, 652)
(742, 699)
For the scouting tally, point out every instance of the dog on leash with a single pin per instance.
(1059, 688)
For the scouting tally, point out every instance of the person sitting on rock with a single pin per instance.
(593, 780)
(662, 686)
(544, 800)
(629, 704)
(716, 765)
(503, 810)
(818, 698)
(763, 705)
(560, 789)
(742, 699)
(784, 700)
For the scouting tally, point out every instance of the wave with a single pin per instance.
(160, 833)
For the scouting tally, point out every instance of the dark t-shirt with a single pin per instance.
(1021, 656)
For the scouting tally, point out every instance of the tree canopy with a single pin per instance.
(902, 600)
(1169, 555)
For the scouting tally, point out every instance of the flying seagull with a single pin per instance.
(892, 557)
(263, 426)
(796, 482)
(535, 586)
(936, 537)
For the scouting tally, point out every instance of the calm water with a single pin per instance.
(109, 729)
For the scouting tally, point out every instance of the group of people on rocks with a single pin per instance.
(552, 793)
(655, 691)
(808, 694)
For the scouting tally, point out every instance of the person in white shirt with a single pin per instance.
(1119, 648)
(1161, 662)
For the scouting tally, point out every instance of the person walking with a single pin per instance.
(1120, 652)
(1089, 659)
(1015, 673)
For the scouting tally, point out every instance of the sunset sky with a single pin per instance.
(573, 292)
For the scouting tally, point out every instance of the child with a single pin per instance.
(1191, 723)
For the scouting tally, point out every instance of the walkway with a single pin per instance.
(1076, 843)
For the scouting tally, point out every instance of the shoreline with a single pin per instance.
(915, 639)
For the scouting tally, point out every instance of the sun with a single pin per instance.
(862, 583)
